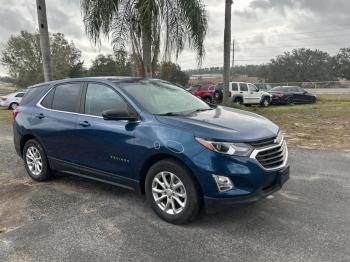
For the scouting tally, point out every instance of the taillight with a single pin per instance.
(15, 113)
(3, 98)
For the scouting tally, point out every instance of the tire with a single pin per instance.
(238, 100)
(290, 101)
(187, 193)
(32, 149)
(218, 96)
(13, 106)
(265, 102)
(207, 99)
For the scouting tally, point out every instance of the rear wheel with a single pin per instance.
(238, 100)
(35, 161)
(172, 192)
(290, 101)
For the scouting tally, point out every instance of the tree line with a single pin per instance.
(298, 65)
(22, 57)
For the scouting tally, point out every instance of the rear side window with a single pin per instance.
(234, 87)
(67, 97)
(47, 101)
(31, 93)
(100, 98)
(244, 87)
(19, 95)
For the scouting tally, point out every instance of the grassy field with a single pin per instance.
(324, 125)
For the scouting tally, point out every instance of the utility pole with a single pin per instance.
(44, 39)
(233, 57)
(227, 49)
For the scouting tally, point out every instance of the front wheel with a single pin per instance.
(13, 106)
(172, 192)
(265, 102)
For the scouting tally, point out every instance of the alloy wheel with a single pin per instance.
(169, 193)
(34, 161)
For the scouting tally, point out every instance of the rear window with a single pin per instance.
(67, 97)
(234, 87)
(31, 93)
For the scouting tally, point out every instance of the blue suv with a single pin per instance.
(154, 138)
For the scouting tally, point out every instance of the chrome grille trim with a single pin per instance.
(279, 155)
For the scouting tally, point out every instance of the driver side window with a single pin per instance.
(100, 98)
(252, 88)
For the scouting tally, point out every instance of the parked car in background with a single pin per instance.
(205, 93)
(154, 138)
(218, 92)
(248, 94)
(11, 101)
(244, 93)
(263, 87)
(291, 95)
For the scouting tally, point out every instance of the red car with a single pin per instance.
(206, 93)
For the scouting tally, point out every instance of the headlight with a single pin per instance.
(238, 149)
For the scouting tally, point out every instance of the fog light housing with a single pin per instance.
(223, 183)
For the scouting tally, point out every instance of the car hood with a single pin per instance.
(224, 124)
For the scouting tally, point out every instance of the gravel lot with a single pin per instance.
(74, 219)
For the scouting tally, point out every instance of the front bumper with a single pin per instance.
(213, 205)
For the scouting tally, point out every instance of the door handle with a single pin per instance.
(84, 124)
(241, 92)
(40, 116)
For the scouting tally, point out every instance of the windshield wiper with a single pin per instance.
(169, 114)
(203, 109)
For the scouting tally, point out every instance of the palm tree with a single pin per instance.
(227, 49)
(142, 24)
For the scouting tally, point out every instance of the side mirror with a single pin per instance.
(120, 114)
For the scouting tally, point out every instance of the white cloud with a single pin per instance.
(262, 28)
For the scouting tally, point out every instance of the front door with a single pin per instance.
(106, 145)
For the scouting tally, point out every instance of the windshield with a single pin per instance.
(160, 97)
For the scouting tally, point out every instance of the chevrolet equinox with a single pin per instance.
(154, 138)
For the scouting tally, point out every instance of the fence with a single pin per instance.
(315, 85)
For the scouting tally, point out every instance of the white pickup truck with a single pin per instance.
(248, 94)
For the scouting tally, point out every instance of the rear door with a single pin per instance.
(54, 121)
(297, 94)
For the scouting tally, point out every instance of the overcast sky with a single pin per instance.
(262, 28)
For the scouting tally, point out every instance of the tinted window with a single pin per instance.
(161, 97)
(19, 95)
(279, 88)
(252, 88)
(31, 93)
(100, 98)
(67, 97)
(47, 101)
(293, 89)
(244, 87)
(234, 87)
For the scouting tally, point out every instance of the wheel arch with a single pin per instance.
(158, 157)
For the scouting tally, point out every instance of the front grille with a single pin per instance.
(263, 143)
(272, 157)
